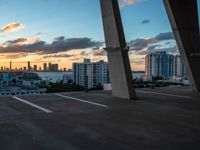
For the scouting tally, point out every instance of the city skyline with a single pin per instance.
(31, 66)
(60, 39)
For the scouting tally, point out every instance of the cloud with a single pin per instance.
(99, 52)
(161, 42)
(95, 52)
(39, 33)
(60, 44)
(137, 62)
(160, 48)
(85, 53)
(165, 36)
(142, 43)
(76, 59)
(22, 41)
(11, 27)
(152, 47)
(58, 56)
(13, 55)
(123, 3)
(145, 21)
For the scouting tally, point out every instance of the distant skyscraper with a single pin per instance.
(29, 66)
(90, 74)
(49, 68)
(10, 65)
(35, 67)
(164, 65)
(45, 66)
(54, 67)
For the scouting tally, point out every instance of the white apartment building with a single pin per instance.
(90, 74)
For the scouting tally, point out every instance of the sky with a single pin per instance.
(67, 31)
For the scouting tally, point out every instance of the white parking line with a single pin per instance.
(81, 100)
(165, 94)
(33, 105)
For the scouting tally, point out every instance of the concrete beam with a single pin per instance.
(183, 16)
(119, 64)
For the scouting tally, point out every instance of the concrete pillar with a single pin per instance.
(117, 50)
(183, 16)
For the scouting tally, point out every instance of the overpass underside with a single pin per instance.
(183, 16)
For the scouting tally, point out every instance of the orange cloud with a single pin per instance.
(11, 27)
(123, 3)
(25, 41)
(13, 55)
(99, 52)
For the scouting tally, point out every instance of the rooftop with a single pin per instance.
(164, 119)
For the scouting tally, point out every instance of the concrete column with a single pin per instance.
(117, 50)
(183, 16)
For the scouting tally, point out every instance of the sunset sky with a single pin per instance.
(67, 31)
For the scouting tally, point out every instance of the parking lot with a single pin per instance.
(165, 118)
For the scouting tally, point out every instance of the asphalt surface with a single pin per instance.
(161, 119)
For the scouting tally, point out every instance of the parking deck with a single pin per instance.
(164, 119)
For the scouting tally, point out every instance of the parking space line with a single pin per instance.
(81, 100)
(165, 94)
(33, 105)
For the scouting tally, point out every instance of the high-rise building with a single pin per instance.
(90, 74)
(164, 65)
(49, 67)
(35, 67)
(171, 70)
(45, 66)
(10, 65)
(152, 65)
(179, 67)
(29, 66)
(54, 67)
